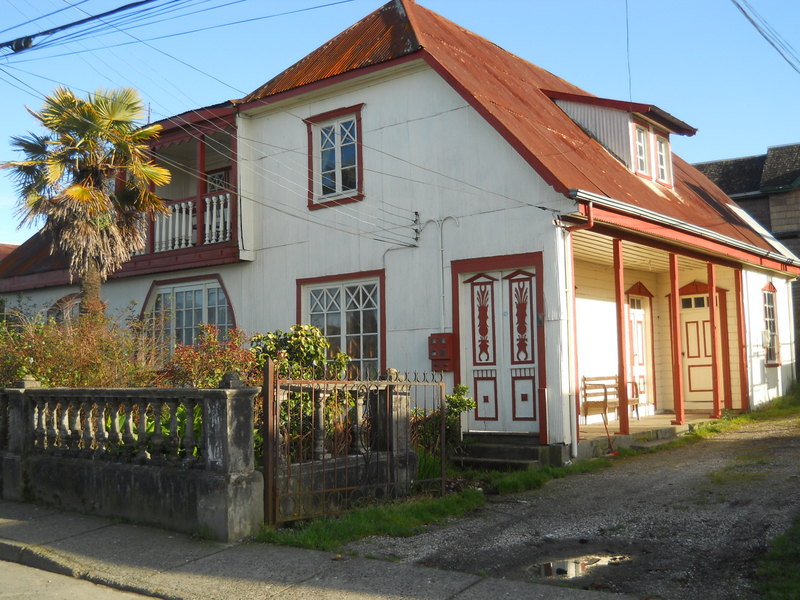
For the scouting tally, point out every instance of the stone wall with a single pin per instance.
(134, 454)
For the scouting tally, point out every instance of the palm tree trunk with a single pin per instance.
(91, 303)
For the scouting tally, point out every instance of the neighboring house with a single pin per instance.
(767, 186)
(430, 200)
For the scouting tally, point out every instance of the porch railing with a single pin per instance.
(211, 214)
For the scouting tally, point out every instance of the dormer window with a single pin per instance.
(652, 158)
(663, 160)
(642, 150)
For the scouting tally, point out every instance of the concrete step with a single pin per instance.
(648, 444)
(495, 464)
(503, 451)
(512, 439)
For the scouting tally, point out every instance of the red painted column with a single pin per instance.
(713, 317)
(622, 338)
(200, 203)
(675, 326)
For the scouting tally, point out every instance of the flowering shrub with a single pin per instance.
(204, 364)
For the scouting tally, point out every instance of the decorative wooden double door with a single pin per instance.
(500, 349)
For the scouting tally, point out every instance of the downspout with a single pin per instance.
(589, 222)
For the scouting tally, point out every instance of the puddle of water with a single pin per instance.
(570, 568)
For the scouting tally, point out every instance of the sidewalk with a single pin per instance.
(169, 565)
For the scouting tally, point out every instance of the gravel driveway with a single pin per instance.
(686, 523)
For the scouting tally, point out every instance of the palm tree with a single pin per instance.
(90, 178)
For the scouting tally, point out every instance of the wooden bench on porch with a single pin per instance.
(601, 394)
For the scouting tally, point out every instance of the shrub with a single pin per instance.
(427, 426)
(89, 350)
(203, 364)
(301, 352)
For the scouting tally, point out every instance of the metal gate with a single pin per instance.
(330, 445)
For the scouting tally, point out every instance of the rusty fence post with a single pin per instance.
(269, 428)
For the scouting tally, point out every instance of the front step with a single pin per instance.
(499, 451)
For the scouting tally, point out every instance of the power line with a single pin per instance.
(50, 14)
(23, 43)
(769, 33)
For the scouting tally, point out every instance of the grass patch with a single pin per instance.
(399, 519)
(777, 572)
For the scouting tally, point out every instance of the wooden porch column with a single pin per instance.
(713, 312)
(622, 338)
(202, 187)
(675, 326)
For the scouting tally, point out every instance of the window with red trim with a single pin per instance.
(348, 313)
(335, 157)
(176, 311)
(652, 157)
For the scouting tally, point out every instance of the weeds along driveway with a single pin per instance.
(685, 523)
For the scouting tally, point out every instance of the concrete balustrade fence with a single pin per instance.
(175, 458)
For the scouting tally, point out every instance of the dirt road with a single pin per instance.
(681, 524)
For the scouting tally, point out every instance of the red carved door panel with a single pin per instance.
(500, 348)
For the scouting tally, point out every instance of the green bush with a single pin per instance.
(300, 353)
(427, 425)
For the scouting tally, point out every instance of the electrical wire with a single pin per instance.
(769, 33)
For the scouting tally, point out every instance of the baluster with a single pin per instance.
(173, 441)
(188, 441)
(101, 435)
(355, 443)
(128, 439)
(141, 433)
(157, 439)
(114, 436)
(191, 233)
(3, 421)
(170, 226)
(40, 431)
(73, 416)
(86, 415)
(319, 424)
(226, 199)
(207, 237)
(62, 430)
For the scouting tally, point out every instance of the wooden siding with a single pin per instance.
(608, 126)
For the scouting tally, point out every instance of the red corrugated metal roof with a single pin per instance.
(514, 96)
(33, 256)
(6, 249)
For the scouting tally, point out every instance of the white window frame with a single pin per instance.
(170, 323)
(771, 348)
(641, 140)
(663, 159)
(353, 307)
(337, 134)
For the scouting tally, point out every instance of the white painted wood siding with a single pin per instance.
(609, 126)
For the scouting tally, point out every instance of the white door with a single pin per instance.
(697, 352)
(499, 347)
(639, 332)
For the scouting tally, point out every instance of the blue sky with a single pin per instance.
(699, 60)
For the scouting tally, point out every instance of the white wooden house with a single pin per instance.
(432, 201)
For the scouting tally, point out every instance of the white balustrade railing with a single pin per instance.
(176, 229)
(218, 218)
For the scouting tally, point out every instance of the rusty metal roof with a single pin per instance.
(516, 97)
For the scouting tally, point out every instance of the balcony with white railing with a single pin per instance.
(178, 228)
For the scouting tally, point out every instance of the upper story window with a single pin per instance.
(335, 157)
(651, 153)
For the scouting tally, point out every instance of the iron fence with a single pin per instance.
(330, 445)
